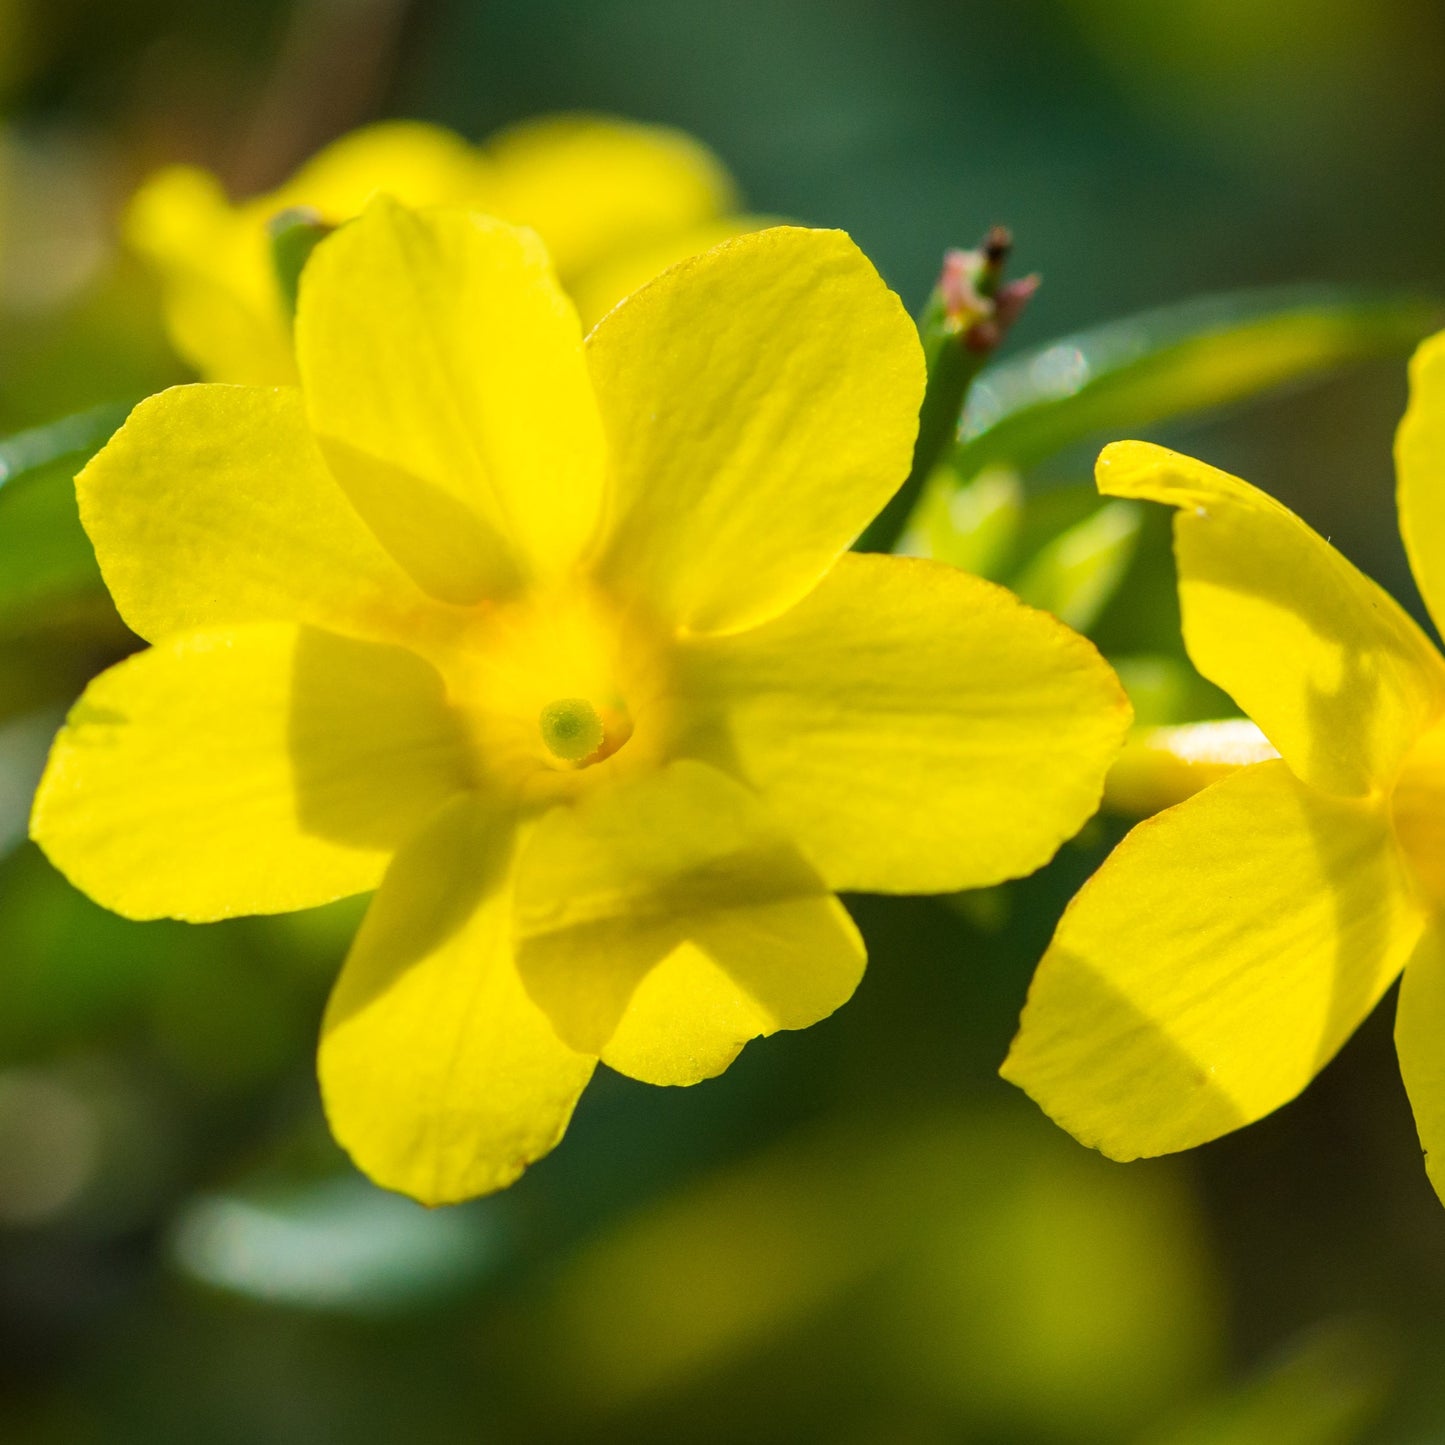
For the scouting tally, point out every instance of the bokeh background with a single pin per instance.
(858, 1234)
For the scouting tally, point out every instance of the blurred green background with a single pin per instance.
(858, 1234)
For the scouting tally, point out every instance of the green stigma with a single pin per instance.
(571, 729)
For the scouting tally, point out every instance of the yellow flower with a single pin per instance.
(560, 645)
(615, 203)
(1230, 945)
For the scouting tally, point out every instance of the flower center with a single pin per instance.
(571, 728)
(559, 691)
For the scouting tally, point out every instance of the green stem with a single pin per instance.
(961, 326)
(951, 370)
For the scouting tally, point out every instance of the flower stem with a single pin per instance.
(966, 317)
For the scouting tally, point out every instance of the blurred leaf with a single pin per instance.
(972, 524)
(227, 1022)
(1327, 1391)
(1125, 376)
(1064, 549)
(987, 909)
(340, 1245)
(24, 743)
(75, 973)
(1076, 574)
(1166, 690)
(1011, 1286)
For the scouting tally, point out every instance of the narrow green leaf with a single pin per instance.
(78, 435)
(1123, 377)
(46, 560)
(58, 626)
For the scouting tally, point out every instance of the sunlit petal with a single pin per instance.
(1420, 472)
(1420, 1039)
(1332, 669)
(212, 506)
(665, 922)
(761, 402)
(255, 770)
(1214, 964)
(440, 1076)
(444, 378)
(914, 728)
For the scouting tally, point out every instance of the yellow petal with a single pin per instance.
(914, 728)
(1164, 765)
(410, 161)
(593, 187)
(1420, 472)
(1214, 964)
(440, 1077)
(689, 1018)
(1335, 673)
(761, 402)
(445, 380)
(223, 307)
(600, 287)
(1420, 1040)
(256, 770)
(212, 506)
(664, 922)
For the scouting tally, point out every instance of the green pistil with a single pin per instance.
(571, 729)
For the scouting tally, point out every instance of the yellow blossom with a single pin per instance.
(560, 644)
(1230, 945)
(615, 202)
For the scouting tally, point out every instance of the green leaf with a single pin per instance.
(77, 436)
(1123, 377)
(47, 567)
(46, 559)
(1328, 1390)
(58, 626)
(1076, 574)
(24, 744)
